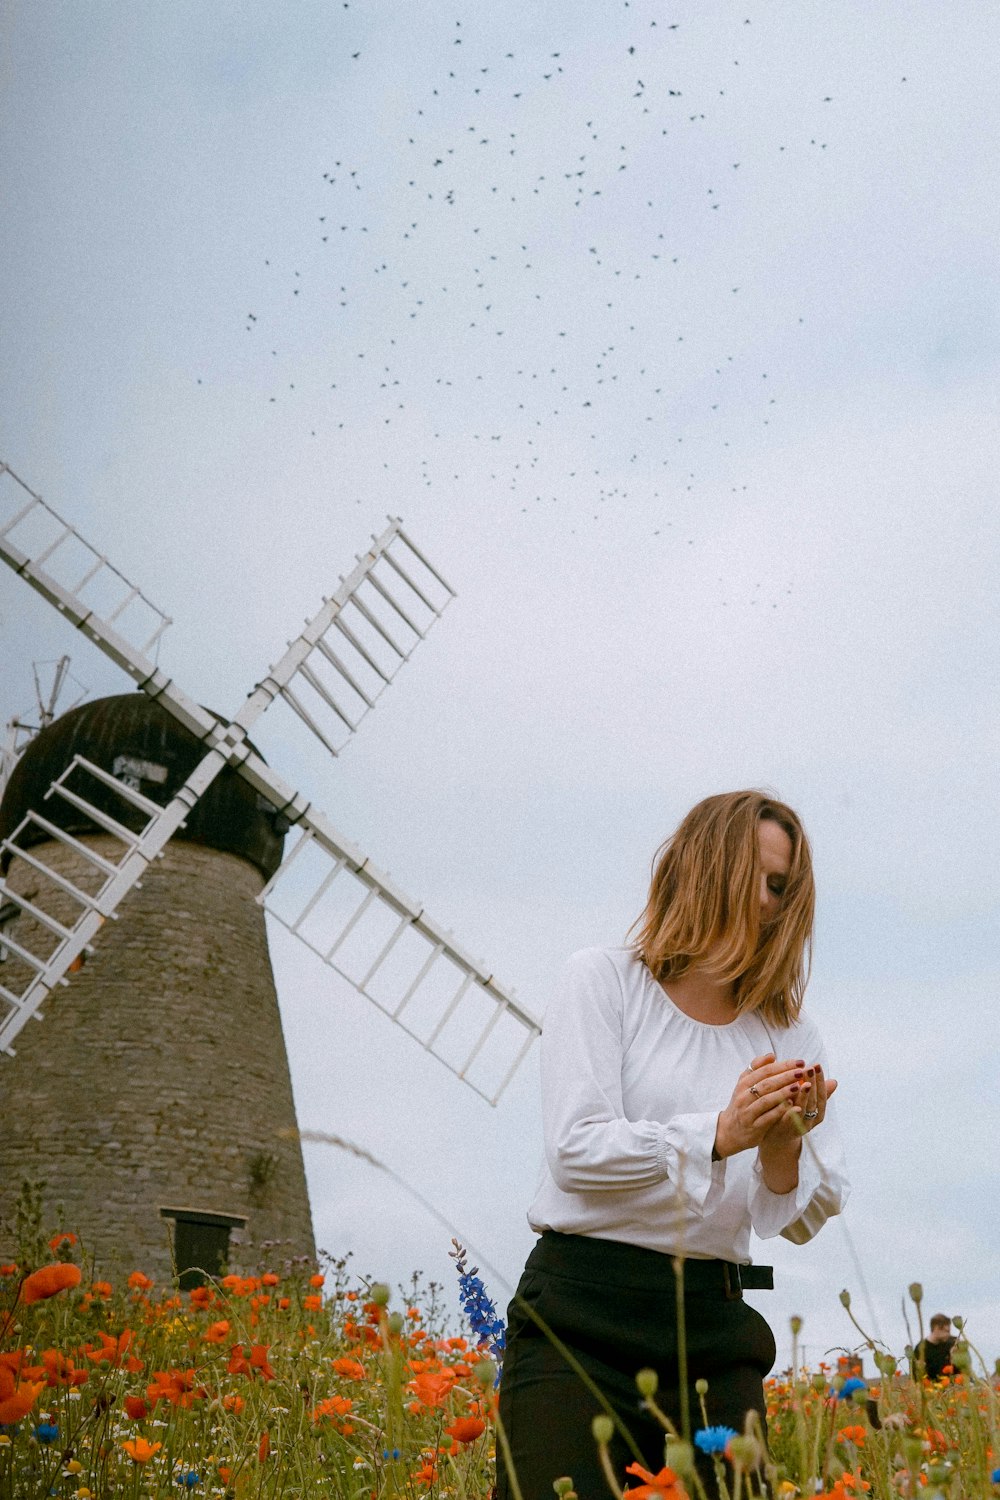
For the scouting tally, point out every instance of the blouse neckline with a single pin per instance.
(662, 990)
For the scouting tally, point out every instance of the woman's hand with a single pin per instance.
(781, 1146)
(764, 1095)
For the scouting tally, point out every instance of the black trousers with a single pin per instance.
(614, 1307)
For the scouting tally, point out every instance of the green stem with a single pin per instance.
(682, 1364)
(508, 1458)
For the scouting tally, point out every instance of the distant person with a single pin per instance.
(934, 1352)
(679, 1079)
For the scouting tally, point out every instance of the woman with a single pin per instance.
(684, 1103)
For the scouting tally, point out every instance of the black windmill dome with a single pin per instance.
(135, 740)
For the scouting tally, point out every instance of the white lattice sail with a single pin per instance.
(395, 954)
(327, 892)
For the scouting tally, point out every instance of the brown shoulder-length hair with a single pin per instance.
(703, 908)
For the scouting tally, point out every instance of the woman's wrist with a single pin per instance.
(779, 1165)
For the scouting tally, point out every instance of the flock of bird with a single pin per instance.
(514, 274)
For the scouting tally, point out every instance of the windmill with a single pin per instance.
(91, 834)
(20, 729)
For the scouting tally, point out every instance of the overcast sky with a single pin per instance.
(671, 330)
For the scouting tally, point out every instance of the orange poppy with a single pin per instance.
(466, 1429)
(350, 1369)
(139, 1451)
(432, 1388)
(312, 1303)
(317, 1280)
(136, 1408)
(65, 1238)
(217, 1333)
(17, 1400)
(662, 1486)
(101, 1288)
(334, 1406)
(48, 1280)
(60, 1369)
(201, 1296)
(112, 1350)
(269, 1279)
(264, 1446)
(140, 1283)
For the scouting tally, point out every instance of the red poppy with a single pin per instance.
(269, 1279)
(217, 1333)
(334, 1406)
(140, 1283)
(112, 1350)
(662, 1486)
(466, 1429)
(201, 1296)
(65, 1238)
(264, 1446)
(136, 1408)
(432, 1388)
(16, 1399)
(48, 1280)
(60, 1369)
(350, 1369)
(101, 1288)
(317, 1280)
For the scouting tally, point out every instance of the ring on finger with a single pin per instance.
(755, 1091)
(810, 1114)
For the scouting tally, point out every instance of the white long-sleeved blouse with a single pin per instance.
(631, 1093)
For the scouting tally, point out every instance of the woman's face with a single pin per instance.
(775, 863)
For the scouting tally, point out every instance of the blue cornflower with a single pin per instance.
(995, 1477)
(486, 1324)
(46, 1432)
(713, 1439)
(394, 1454)
(189, 1479)
(851, 1384)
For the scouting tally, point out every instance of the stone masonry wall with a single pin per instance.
(158, 1077)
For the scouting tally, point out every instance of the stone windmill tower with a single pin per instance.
(141, 841)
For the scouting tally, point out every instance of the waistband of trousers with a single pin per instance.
(613, 1263)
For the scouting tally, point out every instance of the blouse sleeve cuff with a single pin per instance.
(685, 1155)
(772, 1213)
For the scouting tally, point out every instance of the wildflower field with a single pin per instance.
(297, 1383)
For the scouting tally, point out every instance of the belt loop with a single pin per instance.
(731, 1284)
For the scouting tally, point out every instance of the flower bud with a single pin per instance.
(916, 1292)
(884, 1363)
(394, 1322)
(562, 1486)
(845, 1298)
(744, 1451)
(959, 1322)
(860, 1397)
(680, 1457)
(818, 1382)
(701, 1386)
(603, 1429)
(647, 1382)
(795, 1323)
(485, 1372)
(379, 1293)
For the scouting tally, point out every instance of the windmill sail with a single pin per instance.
(80, 581)
(327, 892)
(49, 919)
(390, 949)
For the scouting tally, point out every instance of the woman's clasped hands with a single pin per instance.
(773, 1105)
